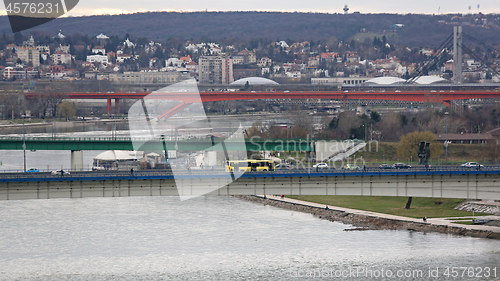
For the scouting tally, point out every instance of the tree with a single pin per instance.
(408, 145)
(375, 116)
(66, 109)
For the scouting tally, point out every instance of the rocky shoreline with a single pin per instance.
(370, 222)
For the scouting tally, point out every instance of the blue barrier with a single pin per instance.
(219, 173)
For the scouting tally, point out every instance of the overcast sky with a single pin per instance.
(93, 7)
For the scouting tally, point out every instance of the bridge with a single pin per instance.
(78, 144)
(440, 183)
(186, 98)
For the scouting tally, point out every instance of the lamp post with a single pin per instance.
(446, 141)
(311, 148)
(24, 145)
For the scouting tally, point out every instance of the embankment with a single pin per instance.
(368, 221)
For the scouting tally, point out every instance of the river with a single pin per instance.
(218, 238)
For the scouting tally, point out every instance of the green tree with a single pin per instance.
(375, 116)
(66, 109)
(409, 143)
(334, 123)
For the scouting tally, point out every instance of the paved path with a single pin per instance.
(434, 221)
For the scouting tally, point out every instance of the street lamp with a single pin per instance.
(446, 141)
(311, 148)
(24, 145)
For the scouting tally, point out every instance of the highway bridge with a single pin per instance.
(186, 98)
(118, 143)
(442, 182)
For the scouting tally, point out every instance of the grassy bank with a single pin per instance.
(375, 154)
(457, 154)
(420, 207)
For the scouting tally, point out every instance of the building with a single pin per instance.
(339, 80)
(123, 57)
(29, 55)
(19, 73)
(98, 58)
(12, 47)
(248, 56)
(61, 58)
(192, 67)
(238, 59)
(151, 77)
(466, 138)
(65, 48)
(43, 49)
(215, 70)
(98, 50)
(9, 72)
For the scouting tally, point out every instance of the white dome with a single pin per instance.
(254, 81)
(112, 155)
(102, 36)
(428, 80)
(386, 80)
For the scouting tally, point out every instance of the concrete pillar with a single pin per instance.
(457, 54)
(76, 160)
(109, 105)
(117, 106)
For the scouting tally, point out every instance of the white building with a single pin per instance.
(98, 49)
(123, 57)
(98, 58)
(129, 44)
(102, 36)
(173, 62)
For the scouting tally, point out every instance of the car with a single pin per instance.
(351, 167)
(283, 166)
(472, 165)
(401, 166)
(60, 173)
(320, 166)
(385, 166)
(32, 170)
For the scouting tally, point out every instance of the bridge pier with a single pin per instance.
(109, 104)
(76, 160)
(117, 106)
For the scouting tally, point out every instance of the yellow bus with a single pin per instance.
(250, 165)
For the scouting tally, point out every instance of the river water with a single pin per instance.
(218, 238)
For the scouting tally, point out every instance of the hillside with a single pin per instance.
(418, 30)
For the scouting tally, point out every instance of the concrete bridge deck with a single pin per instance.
(467, 184)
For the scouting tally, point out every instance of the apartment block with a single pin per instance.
(216, 70)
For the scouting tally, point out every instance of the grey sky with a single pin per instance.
(89, 7)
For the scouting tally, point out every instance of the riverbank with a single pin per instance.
(365, 220)
(38, 126)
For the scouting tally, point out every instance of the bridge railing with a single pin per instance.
(209, 172)
(50, 138)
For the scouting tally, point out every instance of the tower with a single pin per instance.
(457, 54)
(346, 9)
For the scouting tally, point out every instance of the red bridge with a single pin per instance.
(189, 97)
